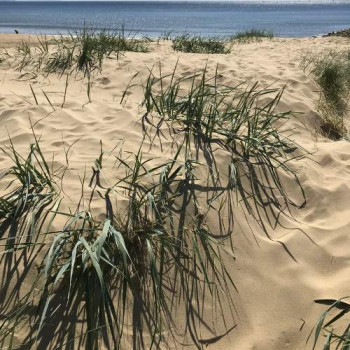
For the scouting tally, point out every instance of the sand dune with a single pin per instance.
(277, 278)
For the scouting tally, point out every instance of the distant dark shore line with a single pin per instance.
(345, 33)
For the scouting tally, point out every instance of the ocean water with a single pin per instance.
(153, 18)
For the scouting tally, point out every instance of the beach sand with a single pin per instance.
(276, 278)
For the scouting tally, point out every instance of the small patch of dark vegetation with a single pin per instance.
(199, 44)
(167, 35)
(345, 33)
(252, 35)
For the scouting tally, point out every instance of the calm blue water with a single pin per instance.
(156, 17)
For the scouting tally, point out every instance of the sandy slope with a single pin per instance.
(276, 286)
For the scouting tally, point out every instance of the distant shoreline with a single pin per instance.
(11, 40)
(345, 33)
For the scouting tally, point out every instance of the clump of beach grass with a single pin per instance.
(252, 35)
(30, 187)
(200, 44)
(332, 73)
(82, 51)
(94, 47)
(153, 251)
(231, 118)
(29, 196)
(167, 35)
(154, 247)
